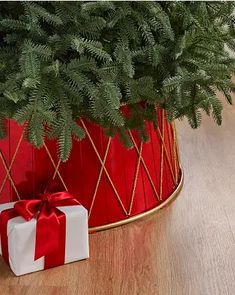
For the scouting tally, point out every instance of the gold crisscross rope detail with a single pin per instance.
(166, 154)
(99, 177)
(162, 156)
(104, 168)
(135, 178)
(8, 169)
(8, 174)
(145, 166)
(176, 151)
(56, 167)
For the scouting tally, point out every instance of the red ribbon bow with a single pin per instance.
(50, 227)
(48, 219)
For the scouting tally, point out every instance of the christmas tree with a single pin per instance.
(60, 61)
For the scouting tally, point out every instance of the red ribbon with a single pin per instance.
(50, 228)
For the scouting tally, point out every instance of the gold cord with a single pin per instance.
(8, 175)
(174, 152)
(167, 156)
(135, 178)
(99, 177)
(177, 145)
(162, 157)
(145, 167)
(56, 167)
(105, 170)
(12, 160)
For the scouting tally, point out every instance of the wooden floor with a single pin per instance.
(186, 249)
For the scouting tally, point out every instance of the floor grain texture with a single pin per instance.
(186, 249)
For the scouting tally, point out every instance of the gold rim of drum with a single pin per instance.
(171, 198)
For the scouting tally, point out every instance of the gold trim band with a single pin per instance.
(171, 198)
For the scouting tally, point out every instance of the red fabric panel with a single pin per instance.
(33, 169)
(23, 167)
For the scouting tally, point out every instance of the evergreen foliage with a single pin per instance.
(60, 61)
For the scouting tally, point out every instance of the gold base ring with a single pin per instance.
(171, 198)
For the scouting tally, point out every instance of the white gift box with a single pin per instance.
(22, 236)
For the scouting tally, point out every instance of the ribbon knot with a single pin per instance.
(45, 197)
